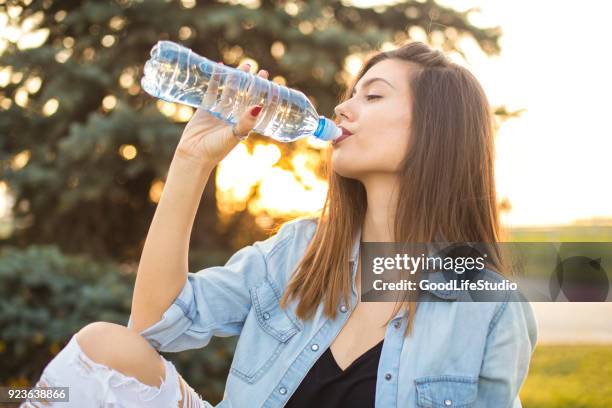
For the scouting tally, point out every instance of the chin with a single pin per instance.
(345, 166)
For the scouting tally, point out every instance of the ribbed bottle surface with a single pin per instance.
(176, 74)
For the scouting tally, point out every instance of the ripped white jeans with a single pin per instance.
(96, 385)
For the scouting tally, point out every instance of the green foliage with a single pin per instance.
(76, 191)
(46, 297)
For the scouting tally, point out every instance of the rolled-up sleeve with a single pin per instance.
(214, 301)
(510, 345)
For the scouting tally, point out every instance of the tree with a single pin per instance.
(84, 152)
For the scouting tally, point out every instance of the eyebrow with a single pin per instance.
(369, 81)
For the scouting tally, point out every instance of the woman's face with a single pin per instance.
(379, 116)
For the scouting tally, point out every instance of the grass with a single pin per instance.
(569, 376)
(564, 233)
(535, 260)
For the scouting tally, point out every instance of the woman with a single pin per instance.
(418, 167)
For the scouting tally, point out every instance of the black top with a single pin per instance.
(327, 386)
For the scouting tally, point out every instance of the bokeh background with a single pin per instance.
(84, 153)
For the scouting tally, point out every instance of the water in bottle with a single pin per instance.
(176, 74)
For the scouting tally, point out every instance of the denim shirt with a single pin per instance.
(460, 354)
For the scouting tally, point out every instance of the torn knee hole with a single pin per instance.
(190, 399)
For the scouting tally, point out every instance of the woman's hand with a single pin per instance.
(206, 140)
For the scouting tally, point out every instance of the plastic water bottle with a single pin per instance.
(176, 74)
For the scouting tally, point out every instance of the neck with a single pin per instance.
(380, 213)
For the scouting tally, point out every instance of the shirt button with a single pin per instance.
(314, 347)
(343, 309)
(448, 402)
(266, 315)
(397, 324)
(282, 390)
(388, 376)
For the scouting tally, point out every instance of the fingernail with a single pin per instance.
(255, 111)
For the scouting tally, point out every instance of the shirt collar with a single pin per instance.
(436, 277)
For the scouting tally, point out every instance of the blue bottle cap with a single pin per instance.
(327, 130)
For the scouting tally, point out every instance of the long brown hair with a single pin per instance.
(446, 188)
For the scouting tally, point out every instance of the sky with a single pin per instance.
(554, 162)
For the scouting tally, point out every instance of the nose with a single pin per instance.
(342, 112)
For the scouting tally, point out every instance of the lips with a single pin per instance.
(345, 134)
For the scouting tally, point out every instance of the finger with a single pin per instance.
(213, 86)
(247, 120)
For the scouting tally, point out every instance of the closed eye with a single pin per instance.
(369, 97)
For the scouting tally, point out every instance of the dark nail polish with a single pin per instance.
(255, 111)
